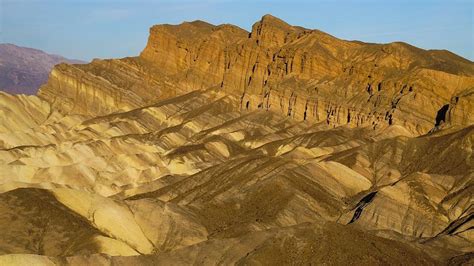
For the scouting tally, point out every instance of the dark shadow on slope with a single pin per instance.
(441, 115)
(361, 205)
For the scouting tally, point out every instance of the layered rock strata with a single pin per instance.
(301, 73)
(219, 146)
(208, 174)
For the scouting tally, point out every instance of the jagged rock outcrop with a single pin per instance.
(283, 145)
(305, 74)
(207, 173)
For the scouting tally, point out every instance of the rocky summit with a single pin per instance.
(215, 145)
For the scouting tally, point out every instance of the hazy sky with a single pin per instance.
(86, 29)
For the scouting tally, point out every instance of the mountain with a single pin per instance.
(305, 74)
(218, 146)
(24, 70)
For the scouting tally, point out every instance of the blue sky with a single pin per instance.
(86, 29)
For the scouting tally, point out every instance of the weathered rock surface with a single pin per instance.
(178, 178)
(216, 146)
(301, 73)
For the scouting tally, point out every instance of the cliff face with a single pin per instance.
(204, 137)
(221, 184)
(101, 87)
(301, 73)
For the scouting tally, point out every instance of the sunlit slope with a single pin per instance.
(301, 73)
(179, 178)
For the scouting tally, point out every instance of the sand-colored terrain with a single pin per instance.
(186, 161)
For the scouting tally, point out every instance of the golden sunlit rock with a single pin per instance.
(218, 146)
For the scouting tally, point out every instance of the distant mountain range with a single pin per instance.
(24, 70)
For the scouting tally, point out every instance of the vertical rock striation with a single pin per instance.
(301, 73)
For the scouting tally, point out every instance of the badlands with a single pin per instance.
(215, 145)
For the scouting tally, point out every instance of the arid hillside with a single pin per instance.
(304, 74)
(217, 146)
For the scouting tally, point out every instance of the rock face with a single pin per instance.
(216, 146)
(301, 73)
(223, 184)
(24, 70)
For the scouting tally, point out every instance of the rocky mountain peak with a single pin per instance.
(300, 148)
(269, 20)
(307, 75)
(271, 31)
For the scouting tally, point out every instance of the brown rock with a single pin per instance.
(305, 74)
(285, 145)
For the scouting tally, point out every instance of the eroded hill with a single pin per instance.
(218, 146)
(301, 73)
